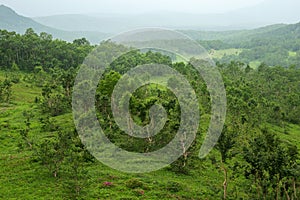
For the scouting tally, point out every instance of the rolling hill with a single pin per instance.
(234, 35)
(11, 21)
(272, 32)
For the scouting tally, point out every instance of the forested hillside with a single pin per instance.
(42, 157)
(275, 45)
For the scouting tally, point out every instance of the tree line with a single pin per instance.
(30, 50)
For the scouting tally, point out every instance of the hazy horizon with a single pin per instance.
(121, 15)
(32, 8)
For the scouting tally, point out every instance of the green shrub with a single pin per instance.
(173, 186)
(134, 183)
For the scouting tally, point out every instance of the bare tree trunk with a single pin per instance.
(295, 189)
(29, 144)
(277, 190)
(225, 183)
(55, 174)
(184, 152)
(286, 193)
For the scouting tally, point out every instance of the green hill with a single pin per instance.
(273, 45)
(230, 36)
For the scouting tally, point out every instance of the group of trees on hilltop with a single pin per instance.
(30, 50)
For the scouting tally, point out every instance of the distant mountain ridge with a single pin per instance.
(276, 33)
(11, 21)
(266, 13)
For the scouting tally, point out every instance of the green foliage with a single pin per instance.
(174, 186)
(15, 67)
(271, 165)
(81, 42)
(30, 50)
(5, 90)
(56, 92)
(135, 58)
(134, 183)
(226, 142)
(25, 132)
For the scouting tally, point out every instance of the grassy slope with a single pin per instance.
(22, 179)
(218, 54)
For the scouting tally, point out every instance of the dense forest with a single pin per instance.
(42, 157)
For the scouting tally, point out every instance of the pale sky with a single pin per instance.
(33, 8)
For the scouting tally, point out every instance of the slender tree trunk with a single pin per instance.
(294, 188)
(55, 173)
(225, 183)
(29, 144)
(286, 193)
(277, 190)
(184, 153)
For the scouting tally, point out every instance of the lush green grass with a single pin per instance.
(292, 53)
(289, 133)
(20, 178)
(254, 64)
(218, 54)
